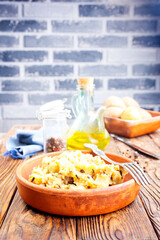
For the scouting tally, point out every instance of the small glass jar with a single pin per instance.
(55, 126)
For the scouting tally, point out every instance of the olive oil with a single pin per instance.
(88, 126)
(77, 140)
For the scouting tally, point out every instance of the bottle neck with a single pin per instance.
(85, 95)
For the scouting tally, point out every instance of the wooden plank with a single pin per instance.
(156, 137)
(7, 179)
(152, 168)
(7, 184)
(24, 222)
(130, 222)
(112, 147)
(152, 208)
(7, 174)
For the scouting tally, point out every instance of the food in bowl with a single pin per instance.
(145, 114)
(114, 112)
(130, 110)
(130, 102)
(114, 101)
(134, 113)
(131, 113)
(76, 170)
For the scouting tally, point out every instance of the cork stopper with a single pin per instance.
(85, 82)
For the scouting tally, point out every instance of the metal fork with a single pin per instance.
(135, 171)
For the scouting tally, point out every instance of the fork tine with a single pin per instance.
(139, 171)
(133, 172)
(146, 186)
(147, 179)
(149, 185)
(136, 172)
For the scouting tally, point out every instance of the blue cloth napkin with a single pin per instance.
(25, 143)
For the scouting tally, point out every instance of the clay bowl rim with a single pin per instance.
(136, 122)
(86, 192)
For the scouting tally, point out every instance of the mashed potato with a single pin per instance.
(76, 170)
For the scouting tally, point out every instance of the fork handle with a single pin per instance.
(100, 153)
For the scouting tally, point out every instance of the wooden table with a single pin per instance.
(139, 220)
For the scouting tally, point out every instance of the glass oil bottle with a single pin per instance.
(88, 127)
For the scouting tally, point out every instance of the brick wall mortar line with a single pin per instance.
(131, 11)
(50, 57)
(21, 43)
(123, 91)
(93, 3)
(49, 27)
(129, 67)
(133, 34)
(75, 44)
(74, 48)
(105, 84)
(130, 41)
(52, 85)
(21, 18)
(39, 78)
(25, 99)
(82, 19)
(111, 18)
(2, 112)
(76, 74)
(158, 27)
(69, 49)
(117, 2)
(97, 91)
(28, 64)
(118, 34)
(157, 84)
(105, 57)
(12, 33)
(158, 55)
(82, 64)
(20, 10)
(70, 34)
(10, 64)
(104, 26)
(22, 71)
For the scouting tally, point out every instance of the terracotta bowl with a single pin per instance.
(132, 128)
(75, 202)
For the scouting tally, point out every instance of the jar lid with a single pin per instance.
(86, 83)
(53, 108)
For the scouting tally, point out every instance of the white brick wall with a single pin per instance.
(46, 45)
